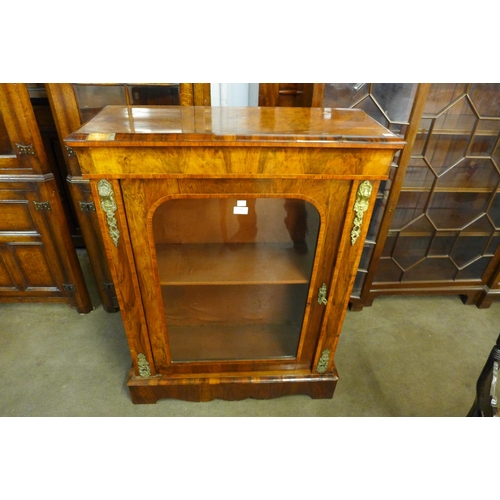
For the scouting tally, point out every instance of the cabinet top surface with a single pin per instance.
(246, 126)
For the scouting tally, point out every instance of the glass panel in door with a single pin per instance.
(235, 275)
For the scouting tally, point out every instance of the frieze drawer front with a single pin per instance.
(233, 236)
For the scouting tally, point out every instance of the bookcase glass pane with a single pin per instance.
(419, 174)
(474, 270)
(388, 271)
(410, 250)
(154, 95)
(441, 95)
(468, 249)
(451, 181)
(92, 98)
(456, 210)
(494, 210)
(235, 275)
(470, 173)
(385, 102)
(485, 99)
(493, 245)
(396, 99)
(411, 205)
(344, 95)
(431, 270)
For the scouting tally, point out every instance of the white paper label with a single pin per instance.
(240, 210)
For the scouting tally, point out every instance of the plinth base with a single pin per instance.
(231, 387)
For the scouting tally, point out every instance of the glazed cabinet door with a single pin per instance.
(230, 271)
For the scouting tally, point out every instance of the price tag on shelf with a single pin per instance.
(240, 208)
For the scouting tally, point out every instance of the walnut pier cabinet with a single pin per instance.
(233, 236)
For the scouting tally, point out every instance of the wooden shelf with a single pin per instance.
(446, 190)
(231, 264)
(439, 233)
(458, 132)
(233, 342)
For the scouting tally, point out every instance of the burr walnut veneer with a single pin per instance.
(233, 236)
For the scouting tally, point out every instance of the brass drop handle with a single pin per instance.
(322, 295)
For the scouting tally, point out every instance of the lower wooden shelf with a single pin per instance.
(233, 342)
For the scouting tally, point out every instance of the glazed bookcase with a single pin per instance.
(436, 226)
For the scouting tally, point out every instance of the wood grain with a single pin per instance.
(232, 388)
(251, 126)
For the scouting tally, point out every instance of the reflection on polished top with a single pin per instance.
(117, 125)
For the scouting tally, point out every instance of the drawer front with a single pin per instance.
(15, 216)
(20, 209)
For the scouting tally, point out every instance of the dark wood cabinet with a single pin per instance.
(54, 150)
(233, 235)
(286, 94)
(38, 261)
(74, 104)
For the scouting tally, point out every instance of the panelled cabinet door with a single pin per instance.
(30, 262)
(38, 261)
